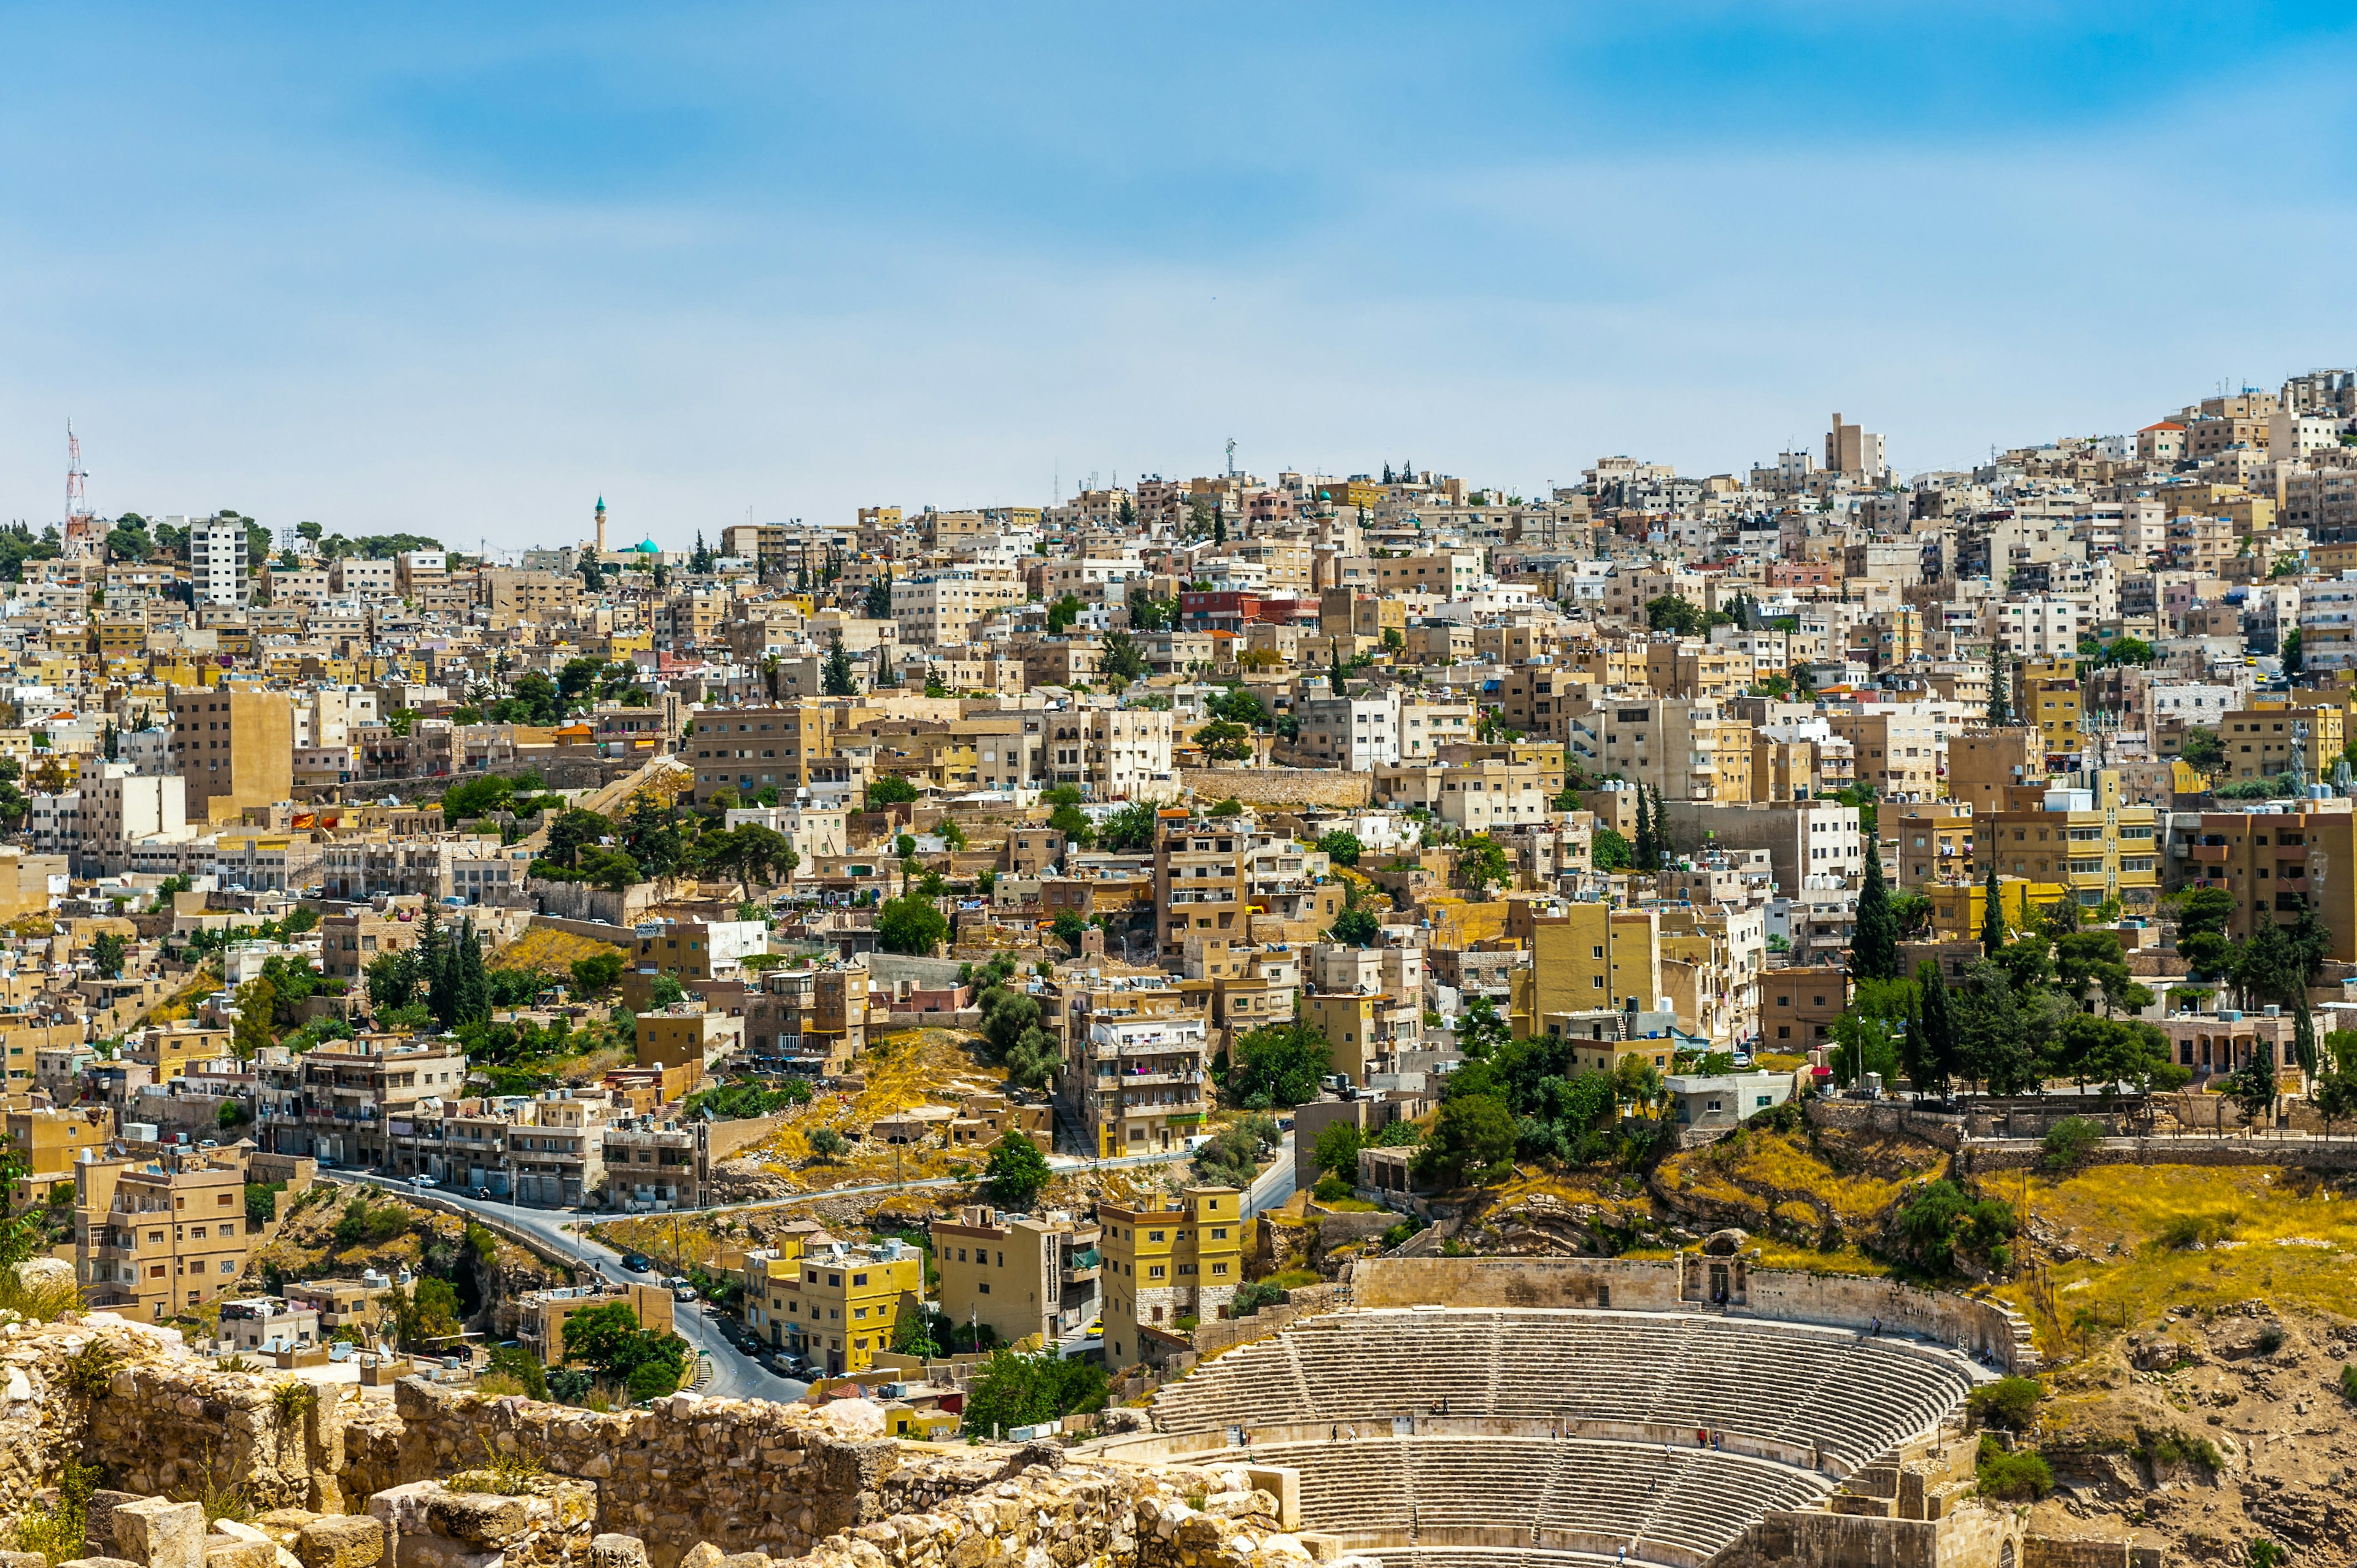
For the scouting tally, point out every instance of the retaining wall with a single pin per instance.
(1983, 1155)
(1981, 1327)
(1279, 786)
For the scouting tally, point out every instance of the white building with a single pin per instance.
(217, 563)
(2039, 627)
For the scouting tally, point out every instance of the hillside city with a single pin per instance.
(1060, 971)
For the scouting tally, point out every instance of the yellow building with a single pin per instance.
(1026, 1278)
(51, 1143)
(843, 1308)
(1596, 956)
(2057, 707)
(2085, 838)
(685, 1036)
(1958, 910)
(1167, 1263)
(2260, 740)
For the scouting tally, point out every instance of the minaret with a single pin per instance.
(601, 528)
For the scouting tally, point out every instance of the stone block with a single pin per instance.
(341, 1541)
(98, 1519)
(480, 1519)
(229, 1552)
(97, 1563)
(23, 1560)
(703, 1554)
(618, 1551)
(160, 1533)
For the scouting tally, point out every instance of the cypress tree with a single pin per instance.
(1874, 949)
(1939, 1025)
(1647, 855)
(2000, 708)
(1663, 844)
(1992, 918)
(474, 988)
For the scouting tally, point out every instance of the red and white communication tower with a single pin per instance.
(83, 536)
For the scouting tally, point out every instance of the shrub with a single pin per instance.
(1331, 1189)
(1250, 1298)
(503, 1474)
(2184, 1232)
(2008, 1403)
(2349, 1383)
(2069, 1142)
(2013, 1477)
(2270, 1339)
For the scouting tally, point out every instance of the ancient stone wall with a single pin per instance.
(1980, 1157)
(1983, 1326)
(1279, 787)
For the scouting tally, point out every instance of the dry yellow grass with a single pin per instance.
(2286, 1236)
(552, 952)
(915, 1067)
(1779, 1172)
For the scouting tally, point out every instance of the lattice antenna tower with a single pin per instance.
(77, 480)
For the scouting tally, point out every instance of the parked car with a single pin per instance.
(637, 1262)
(423, 1180)
(682, 1291)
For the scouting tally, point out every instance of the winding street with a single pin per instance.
(570, 1234)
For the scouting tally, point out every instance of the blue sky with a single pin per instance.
(462, 269)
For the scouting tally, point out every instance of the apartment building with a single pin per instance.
(1799, 1003)
(690, 950)
(233, 743)
(338, 1101)
(2276, 863)
(745, 750)
(1688, 748)
(1022, 1276)
(2036, 626)
(1141, 1083)
(52, 1143)
(1353, 734)
(685, 1035)
(218, 569)
(1898, 749)
(1172, 1259)
(118, 807)
(1935, 842)
(1594, 956)
(2263, 739)
(940, 609)
(1200, 866)
(2084, 838)
(1810, 843)
(155, 1238)
(847, 1301)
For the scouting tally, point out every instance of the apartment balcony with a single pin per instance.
(2208, 853)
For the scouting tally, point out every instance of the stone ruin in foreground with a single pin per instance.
(1558, 1414)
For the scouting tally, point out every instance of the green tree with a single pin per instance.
(1648, 851)
(594, 975)
(2253, 1087)
(1017, 1174)
(1671, 612)
(911, 925)
(1129, 830)
(1279, 1065)
(2000, 708)
(1014, 1390)
(1874, 945)
(1063, 613)
(877, 604)
(2202, 750)
(1992, 912)
(1121, 657)
(1608, 851)
(1356, 927)
(1337, 1150)
(891, 790)
(837, 680)
(1483, 863)
(1341, 847)
(107, 954)
(2293, 654)
(1472, 1141)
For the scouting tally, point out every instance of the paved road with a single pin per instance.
(1275, 1185)
(735, 1375)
